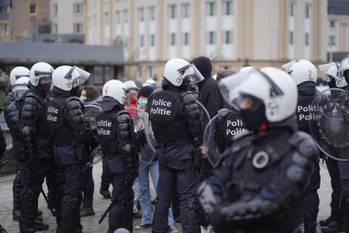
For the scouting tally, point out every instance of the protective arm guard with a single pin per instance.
(126, 139)
(9, 98)
(30, 113)
(76, 119)
(193, 118)
(288, 183)
(11, 118)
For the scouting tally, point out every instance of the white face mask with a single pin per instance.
(83, 98)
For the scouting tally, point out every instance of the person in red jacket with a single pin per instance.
(130, 105)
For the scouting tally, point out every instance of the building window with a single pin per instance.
(186, 10)
(55, 9)
(332, 23)
(78, 8)
(173, 39)
(211, 38)
(151, 11)
(292, 8)
(228, 7)
(306, 39)
(307, 10)
(141, 14)
(78, 28)
(141, 40)
(186, 38)
(151, 71)
(152, 40)
(291, 39)
(125, 13)
(32, 9)
(332, 41)
(210, 8)
(117, 17)
(172, 11)
(139, 71)
(228, 38)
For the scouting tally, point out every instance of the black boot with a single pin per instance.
(309, 227)
(39, 225)
(16, 213)
(87, 208)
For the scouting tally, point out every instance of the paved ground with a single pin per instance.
(91, 223)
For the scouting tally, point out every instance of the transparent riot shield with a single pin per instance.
(329, 123)
(90, 113)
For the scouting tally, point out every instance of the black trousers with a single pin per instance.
(31, 178)
(184, 182)
(120, 215)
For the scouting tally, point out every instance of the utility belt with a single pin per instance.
(164, 144)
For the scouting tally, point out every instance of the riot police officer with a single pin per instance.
(334, 223)
(116, 137)
(304, 74)
(16, 73)
(70, 132)
(258, 183)
(11, 116)
(36, 146)
(175, 119)
(344, 166)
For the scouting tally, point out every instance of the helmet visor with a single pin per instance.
(83, 76)
(230, 91)
(192, 73)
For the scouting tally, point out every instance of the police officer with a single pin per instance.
(11, 116)
(334, 223)
(70, 132)
(175, 119)
(304, 74)
(36, 146)
(16, 73)
(344, 166)
(116, 137)
(258, 184)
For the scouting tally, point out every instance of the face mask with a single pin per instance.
(142, 103)
(254, 117)
(83, 98)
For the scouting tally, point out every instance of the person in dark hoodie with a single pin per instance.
(209, 94)
(304, 74)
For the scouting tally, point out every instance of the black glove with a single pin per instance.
(140, 137)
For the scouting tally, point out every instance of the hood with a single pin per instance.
(203, 64)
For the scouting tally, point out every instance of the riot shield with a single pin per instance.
(329, 123)
(90, 113)
(204, 116)
(210, 142)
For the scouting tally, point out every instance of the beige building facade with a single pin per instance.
(24, 19)
(230, 32)
(67, 16)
